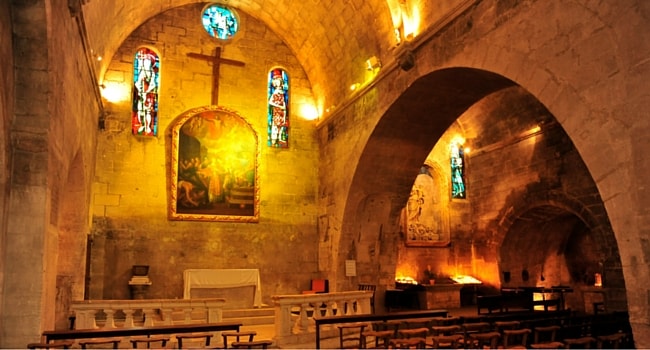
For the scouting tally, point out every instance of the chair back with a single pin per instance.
(373, 289)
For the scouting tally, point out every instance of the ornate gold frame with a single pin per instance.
(213, 152)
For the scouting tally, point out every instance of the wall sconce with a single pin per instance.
(373, 63)
(406, 60)
(354, 86)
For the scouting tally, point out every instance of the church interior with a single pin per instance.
(381, 142)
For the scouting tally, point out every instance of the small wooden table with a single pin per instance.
(139, 331)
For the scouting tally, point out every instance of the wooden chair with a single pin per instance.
(612, 341)
(515, 338)
(544, 337)
(238, 337)
(255, 344)
(446, 330)
(501, 326)
(469, 328)
(373, 288)
(446, 341)
(381, 332)
(181, 337)
(148, 341)
(91, 343)
(446, 337)
(415, 338)
(579, 343)
(446, 321)
(351, 333)
(51, 345)
(484, 340)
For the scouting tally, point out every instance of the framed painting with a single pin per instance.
(214, 172)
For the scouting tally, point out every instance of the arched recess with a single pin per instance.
(73, 229)
(403, 138)
(560, 241)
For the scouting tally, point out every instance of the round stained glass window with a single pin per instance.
(220, 21)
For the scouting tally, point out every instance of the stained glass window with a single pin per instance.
(220, 22)
(278, 109)
(457, 171)
(146, 78)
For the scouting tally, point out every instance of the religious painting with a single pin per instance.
(278, 109)
(425, 219)
(220, 21)
(146, 79)
(214, 167)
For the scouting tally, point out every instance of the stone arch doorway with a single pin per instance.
(395, 151)
(397, 147)
(559, 242)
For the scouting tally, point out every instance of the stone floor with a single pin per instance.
(268, 332)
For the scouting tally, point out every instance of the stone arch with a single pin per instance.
(552, 229)
(405, 134)
(581, 97)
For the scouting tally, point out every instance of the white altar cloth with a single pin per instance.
(223, 278)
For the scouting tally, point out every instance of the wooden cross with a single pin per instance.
(216, 61)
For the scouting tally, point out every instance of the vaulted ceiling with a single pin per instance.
(331, 38)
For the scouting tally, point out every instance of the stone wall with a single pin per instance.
(132, 172)
(406, 111)
(53, 112)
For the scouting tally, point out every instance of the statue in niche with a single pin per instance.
(421, 218)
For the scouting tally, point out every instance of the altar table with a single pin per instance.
(222, 278)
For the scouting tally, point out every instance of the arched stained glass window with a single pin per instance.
(220, 22)
(146, 79)
(457, 156)
(278, 109)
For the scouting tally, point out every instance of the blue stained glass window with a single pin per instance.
(220, 22)
(458, 189)
(146, 79)
(278, 109)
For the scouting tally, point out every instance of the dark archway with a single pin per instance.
(561, 242)
(401, 142)
(411, 127)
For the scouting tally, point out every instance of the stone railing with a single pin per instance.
(294, 314)
(93, 314)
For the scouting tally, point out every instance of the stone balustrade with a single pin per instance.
(294, 314)
(93, 314)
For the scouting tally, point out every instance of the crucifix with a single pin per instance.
(216, 61)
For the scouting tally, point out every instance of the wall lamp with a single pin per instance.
(373, 63)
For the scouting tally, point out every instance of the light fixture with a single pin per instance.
(373, 63)
(406, 61)
(354, 86)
